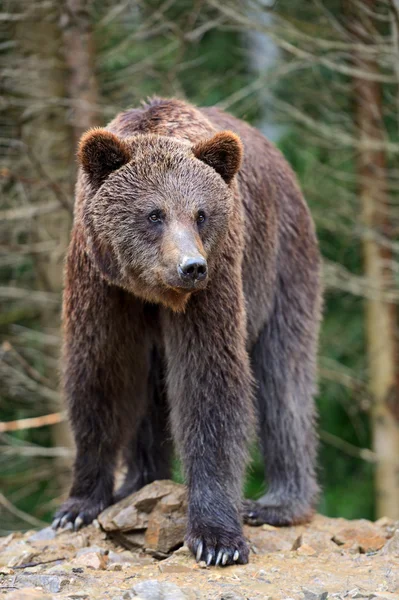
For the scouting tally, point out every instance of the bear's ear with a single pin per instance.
(223, 152)
(100, 152)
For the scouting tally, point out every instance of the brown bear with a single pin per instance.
(192, 288)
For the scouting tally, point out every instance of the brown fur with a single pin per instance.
(100, 152)
(143, 336)
(223, 152)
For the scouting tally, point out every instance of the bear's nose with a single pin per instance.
(193, 269)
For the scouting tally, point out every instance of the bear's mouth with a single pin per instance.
(179, 289)
(186, 288)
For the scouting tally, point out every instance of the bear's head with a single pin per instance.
(157, 210)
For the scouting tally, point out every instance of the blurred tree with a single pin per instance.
(381, 313)
(79, 51)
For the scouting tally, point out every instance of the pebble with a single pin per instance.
(158, 590)
(115, 567)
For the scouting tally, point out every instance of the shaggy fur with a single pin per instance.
(157, 188)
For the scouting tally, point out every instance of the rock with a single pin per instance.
(313, 595)
(306, 550)
(28, 594)
(122, 557)
(45, 534)
(129, 513)
(391, 548)
(165, 532)
(271, 540)
(366, 535)
(131, 539)
(148, 496)
(50, 583)
(92, 560)
(123, 518)
(182, 551)
(153, 518)
(320, 541)
(176, 500)
(115, 567)
(22, 559)
(158, 590)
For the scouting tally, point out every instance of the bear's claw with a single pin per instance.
(219, 556)
(77, 512)
(286, 513)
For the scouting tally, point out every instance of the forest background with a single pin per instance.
(321, 78)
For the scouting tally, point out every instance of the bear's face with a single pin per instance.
(157, 210)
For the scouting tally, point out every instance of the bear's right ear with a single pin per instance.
(100, 152)
(223, 152)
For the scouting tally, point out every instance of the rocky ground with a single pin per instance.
(135, 551)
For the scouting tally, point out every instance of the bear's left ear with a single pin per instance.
(100, 152)
(223, 152)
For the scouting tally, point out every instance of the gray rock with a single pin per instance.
(45, 534)
(122, 557)
(50, 583)
(391, 548)
(314, 595)
(158, 590)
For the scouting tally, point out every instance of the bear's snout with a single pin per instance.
(193, 269)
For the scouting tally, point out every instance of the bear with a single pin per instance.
(191, 312)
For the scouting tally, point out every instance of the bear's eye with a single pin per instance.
(155, 217)
(201, 217)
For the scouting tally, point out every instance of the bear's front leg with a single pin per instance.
(105, 366)
(209, 389)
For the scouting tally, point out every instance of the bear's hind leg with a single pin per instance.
(149, 453)
(284, 367)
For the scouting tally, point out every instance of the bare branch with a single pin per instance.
(32, 423)
(20, 514)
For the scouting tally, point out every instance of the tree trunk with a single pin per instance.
(80, 57)
(56, 38)
(381, 316)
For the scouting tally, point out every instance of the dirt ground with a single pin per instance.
(328, 558)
